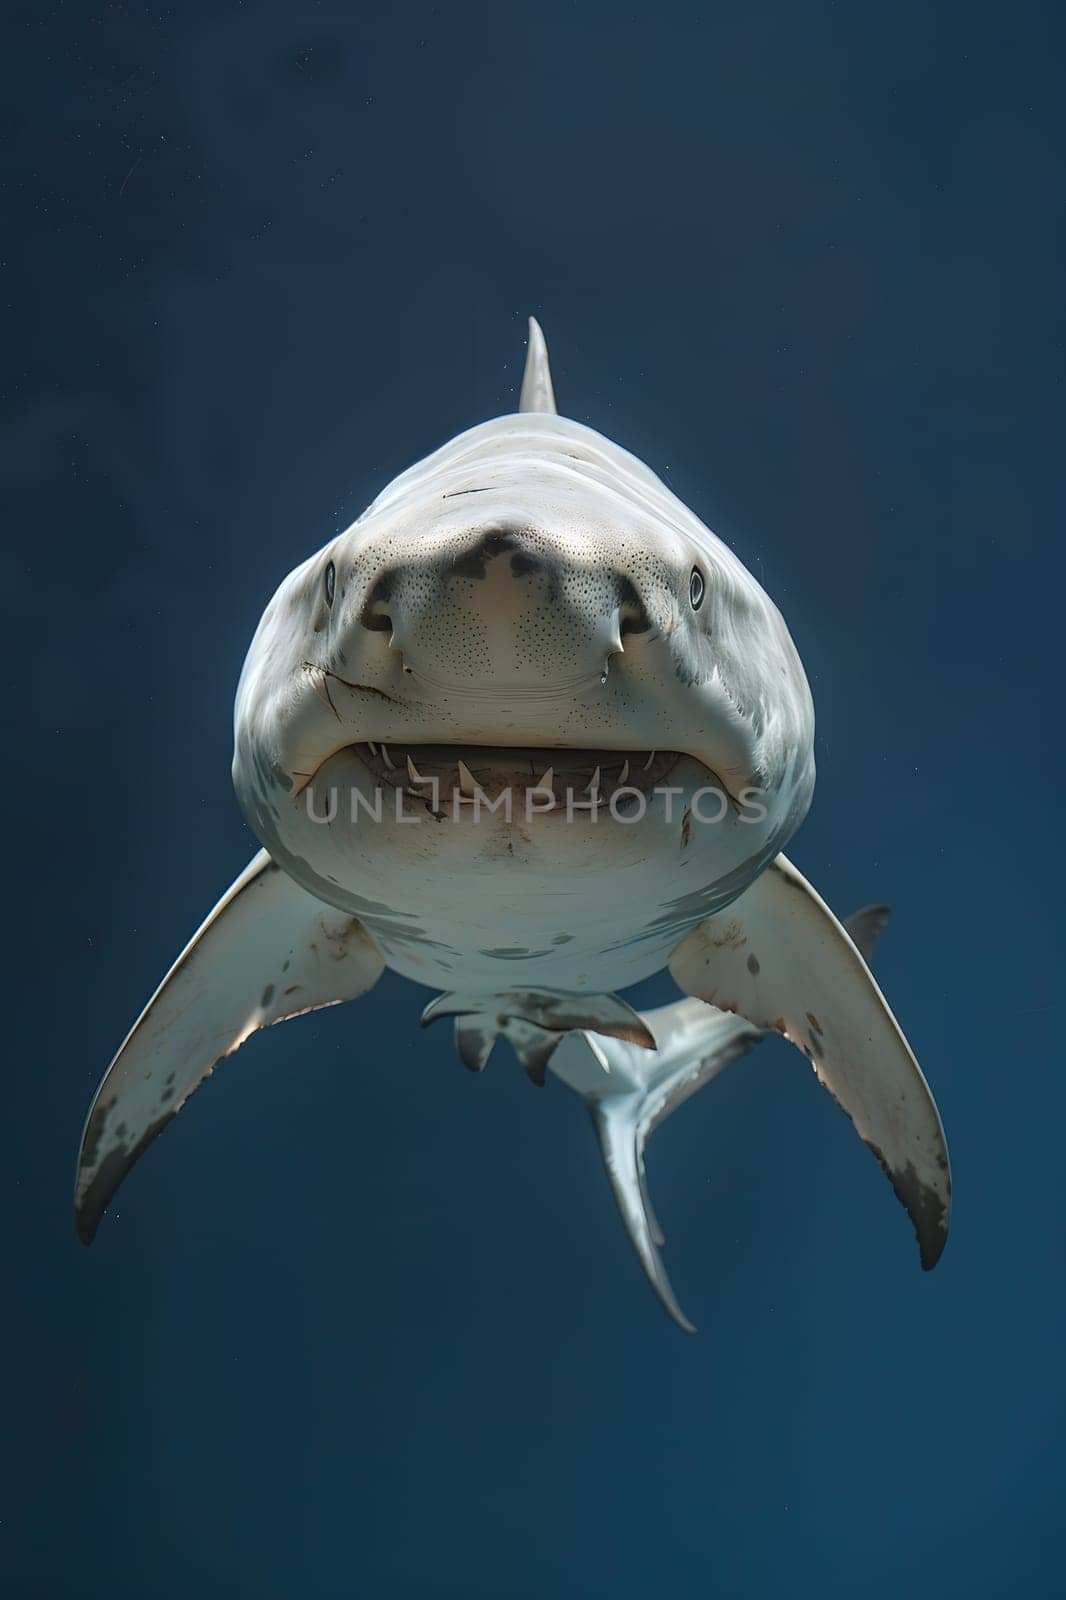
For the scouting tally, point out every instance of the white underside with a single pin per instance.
(588, 901)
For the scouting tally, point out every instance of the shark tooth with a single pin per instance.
(372, 747)
(624, 774)
(545, 781)
(389, 762)
(412, 772)
(594, 784)
(649, 761)
(466, 780)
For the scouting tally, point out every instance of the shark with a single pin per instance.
(528, 733)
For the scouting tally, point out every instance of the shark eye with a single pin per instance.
(696, 588)
(330, 581)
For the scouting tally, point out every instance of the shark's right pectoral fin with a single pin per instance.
(268, 951)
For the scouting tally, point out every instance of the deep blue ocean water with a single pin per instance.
(361, 1324)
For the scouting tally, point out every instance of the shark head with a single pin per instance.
(528, 645)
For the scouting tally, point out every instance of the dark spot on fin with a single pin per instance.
(112, 1170)
(923, 1205)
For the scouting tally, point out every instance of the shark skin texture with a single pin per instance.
(527, 733)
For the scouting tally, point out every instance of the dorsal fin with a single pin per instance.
(537, 392)
(865, 927)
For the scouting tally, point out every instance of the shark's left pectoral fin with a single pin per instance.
(780, 958)
(268, 951)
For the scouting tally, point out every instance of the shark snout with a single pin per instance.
(507, 611)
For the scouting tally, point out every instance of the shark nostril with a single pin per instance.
(375, 614)
(632, 615)
(633, 621)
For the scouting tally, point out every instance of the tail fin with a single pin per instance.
(638, 1091)
(630, 1091)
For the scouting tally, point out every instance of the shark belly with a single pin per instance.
(573, 898)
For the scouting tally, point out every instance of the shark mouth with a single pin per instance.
(465, 771)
